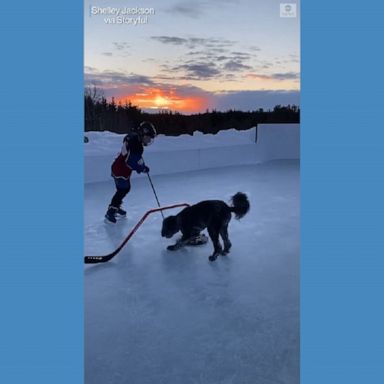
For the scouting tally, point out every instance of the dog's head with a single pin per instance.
(170, 227)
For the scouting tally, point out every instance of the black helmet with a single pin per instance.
(147, 132)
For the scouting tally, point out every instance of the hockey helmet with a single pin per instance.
(147, 132)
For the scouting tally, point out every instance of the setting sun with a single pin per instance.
(155, 98)
(161, 102)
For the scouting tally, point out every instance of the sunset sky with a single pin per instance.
(192, 56)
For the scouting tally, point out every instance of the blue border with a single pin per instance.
(41, 271)
(342, 275)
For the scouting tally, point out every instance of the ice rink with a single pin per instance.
(154, 316)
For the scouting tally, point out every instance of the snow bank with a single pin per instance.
(187, 153)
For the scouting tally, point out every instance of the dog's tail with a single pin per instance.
(240, 204)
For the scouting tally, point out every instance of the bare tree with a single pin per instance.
(94, 93)
(93, 96)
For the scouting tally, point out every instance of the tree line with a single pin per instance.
(102, 115)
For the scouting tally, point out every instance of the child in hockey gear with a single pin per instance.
(130, 159)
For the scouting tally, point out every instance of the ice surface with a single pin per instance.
(154, 316)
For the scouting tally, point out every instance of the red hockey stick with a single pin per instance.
(103, 259)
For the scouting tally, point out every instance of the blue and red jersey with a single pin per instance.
(130, 158)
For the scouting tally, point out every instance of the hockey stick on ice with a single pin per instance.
(103, 259)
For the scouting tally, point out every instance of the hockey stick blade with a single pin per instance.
(97, 259)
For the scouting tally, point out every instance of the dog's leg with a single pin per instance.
(226, 241)
(214, 235)
(179, 244)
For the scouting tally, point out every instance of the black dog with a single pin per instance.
(212, 214)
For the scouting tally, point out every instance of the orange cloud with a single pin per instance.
(258, 77)
(156, 98)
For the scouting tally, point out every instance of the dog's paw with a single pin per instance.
(224, 252)
(212, 258)
(172, 247)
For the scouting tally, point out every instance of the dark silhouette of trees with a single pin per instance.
(101, 115)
